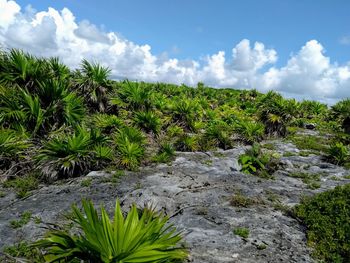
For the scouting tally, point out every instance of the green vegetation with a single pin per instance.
(23, 250)
(58, 123)
(255, 162)
(338, 153)
(23, 184)
(311, 180)
(239, 200)
(242, 232)
(86, 182)
(327, 218)
(25, 218)
(63, 123)
(141, 236)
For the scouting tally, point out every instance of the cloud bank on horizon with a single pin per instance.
(307, 74)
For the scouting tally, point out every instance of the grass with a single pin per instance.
(327, 218)
(23, 250)
(86, 183)
(25, 218)
(242, 232)
(239, 200)
(23, 185)
(289, 154)
(311, 180)
(268, 146)
(319, 144)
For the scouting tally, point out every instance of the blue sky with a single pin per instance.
(299, 48)
(194, 28)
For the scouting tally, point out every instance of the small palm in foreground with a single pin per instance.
(134, 238)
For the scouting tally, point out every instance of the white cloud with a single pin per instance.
(8, 10)
(307, 74)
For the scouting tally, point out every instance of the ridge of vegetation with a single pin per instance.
(57, 123)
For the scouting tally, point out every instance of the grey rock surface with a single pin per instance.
(195, 192)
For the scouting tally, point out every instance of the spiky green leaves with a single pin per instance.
(148, 121)
(135, 238)
(93, 85)
(129, 147)
(73, 154)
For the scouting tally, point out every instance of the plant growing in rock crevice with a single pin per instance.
(139, 237)
(255, 162)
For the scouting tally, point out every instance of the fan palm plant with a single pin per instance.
(92, 84)
(107, 123)
(22, 69)
(249, 131)
(219, 133)
(135, 238)
(148, 121)
(275, 113)
(341, 112)
(185, 112)
(66, 155)
(136, 96)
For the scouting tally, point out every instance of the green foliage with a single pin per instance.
(107, 123)
(242, 232)
(12, 143)
(92, 84)
(129, 154)
(86, 183)
(23, 250)
(187, 143)
(165, 154)
(218, 134)
(143, 237)
(239, 200)
(327, 218)
(338, 153)
(72, 154)
(276, 113)
(148, 121)
(249, 131)
(255, 162)
(25, 218)
(23, 184)
(311, 143)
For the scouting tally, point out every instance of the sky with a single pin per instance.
(298, 48)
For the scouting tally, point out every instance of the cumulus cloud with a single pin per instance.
(307, 74)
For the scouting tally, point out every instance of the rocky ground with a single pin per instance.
(201, 192)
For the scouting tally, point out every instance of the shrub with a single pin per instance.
(148, 121)
(129, 154)
(134, 238)
(249, 131)
(338, 153)
(187, 143)
(255, 162)
(327, 218)
(218, 132)
(165, 153)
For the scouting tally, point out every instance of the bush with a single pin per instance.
(327, 218)
(165, 153)
(338, 153)
(249, 131)
(148, 121)
(218, 134)
(255, 162)
(143, 237)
